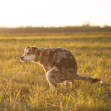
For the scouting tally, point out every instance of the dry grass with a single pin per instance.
(23, 86)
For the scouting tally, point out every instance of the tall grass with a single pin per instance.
(23, 86)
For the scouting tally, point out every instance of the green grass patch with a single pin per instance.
(23, 86)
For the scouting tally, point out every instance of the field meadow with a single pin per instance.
(23, 85)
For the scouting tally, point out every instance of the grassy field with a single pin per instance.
(23, 86)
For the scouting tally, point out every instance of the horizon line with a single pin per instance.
(87, 24)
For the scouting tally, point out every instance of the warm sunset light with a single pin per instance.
(54, 55)
(15, 13)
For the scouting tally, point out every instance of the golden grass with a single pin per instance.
(23, 86)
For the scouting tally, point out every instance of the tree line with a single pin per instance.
(29, 29)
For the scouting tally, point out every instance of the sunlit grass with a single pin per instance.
(23, 86)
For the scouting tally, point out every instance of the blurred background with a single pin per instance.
(34, 16)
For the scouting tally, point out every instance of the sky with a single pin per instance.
(15, 13)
